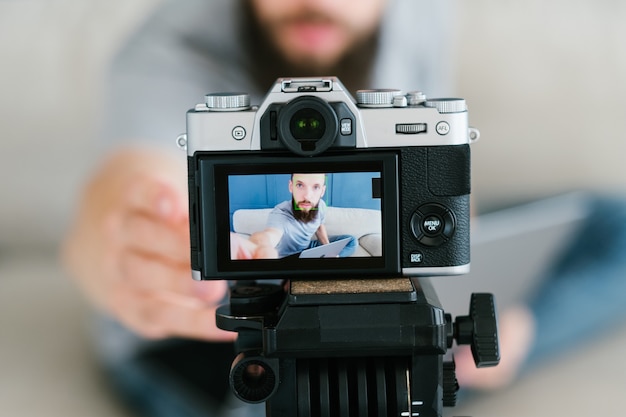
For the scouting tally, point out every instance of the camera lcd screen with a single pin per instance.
(304, 215)
(310, 216)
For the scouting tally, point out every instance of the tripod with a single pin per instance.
(372, 347)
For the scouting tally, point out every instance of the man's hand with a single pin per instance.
(129, 249)
(261, 245)
(242, 248)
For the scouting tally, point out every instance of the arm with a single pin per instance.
(268, 238)
(321, 234)
(241, 248)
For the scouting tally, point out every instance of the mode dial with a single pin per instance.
(227, 101)
(447, 105)
(377, 97)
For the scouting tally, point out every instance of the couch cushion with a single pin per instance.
(372, 243)
(339, 221)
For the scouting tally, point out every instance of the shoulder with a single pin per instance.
(323, 208)
(179, 53)
(194, 27)
(424, 50)
(280, 216)
(282, 209)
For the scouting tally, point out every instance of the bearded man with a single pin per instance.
(292, 224)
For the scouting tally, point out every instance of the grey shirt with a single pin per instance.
(296, 234)
(192, 47)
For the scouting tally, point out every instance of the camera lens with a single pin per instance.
(307, 125)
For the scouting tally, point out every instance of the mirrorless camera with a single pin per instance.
(396, 170)
(379, 188)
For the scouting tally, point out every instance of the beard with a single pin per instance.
(304, 216)
(353, 68)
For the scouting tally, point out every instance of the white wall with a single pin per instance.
(52, 56)
(545, 83)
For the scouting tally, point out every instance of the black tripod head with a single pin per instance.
(352, 347)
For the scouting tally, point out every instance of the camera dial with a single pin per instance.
(377, 98)
(227, 101)
(447, 105)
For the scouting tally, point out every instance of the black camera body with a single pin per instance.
(402, 157)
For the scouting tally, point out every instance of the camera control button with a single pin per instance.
(399, 101)
(239, 133)
(443, 128)
(415, 97)
(346, 126)
(432, 224)
(416, 257)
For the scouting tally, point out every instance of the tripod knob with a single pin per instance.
(480, 330)
(450, 384)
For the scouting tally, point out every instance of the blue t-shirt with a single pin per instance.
(296, 234)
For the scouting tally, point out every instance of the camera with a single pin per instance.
(395, 167)
(329, 214)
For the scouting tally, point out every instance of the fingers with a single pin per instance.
(241, 248)
(157, 314)
(157, 299)
(142, 272)
(265, 252)
(148, 273)
(154, 237)
(156, 198)
(151, 219)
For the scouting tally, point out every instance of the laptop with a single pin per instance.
(330, 250)
(511, 250)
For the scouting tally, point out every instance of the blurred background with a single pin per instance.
(545, 83)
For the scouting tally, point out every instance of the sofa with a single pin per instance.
(363, 224)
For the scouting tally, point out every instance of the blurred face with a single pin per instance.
(317, 33)
(307, 190)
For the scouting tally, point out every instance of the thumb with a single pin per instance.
(212, 292)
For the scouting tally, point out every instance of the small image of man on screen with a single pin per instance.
(292, 224)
